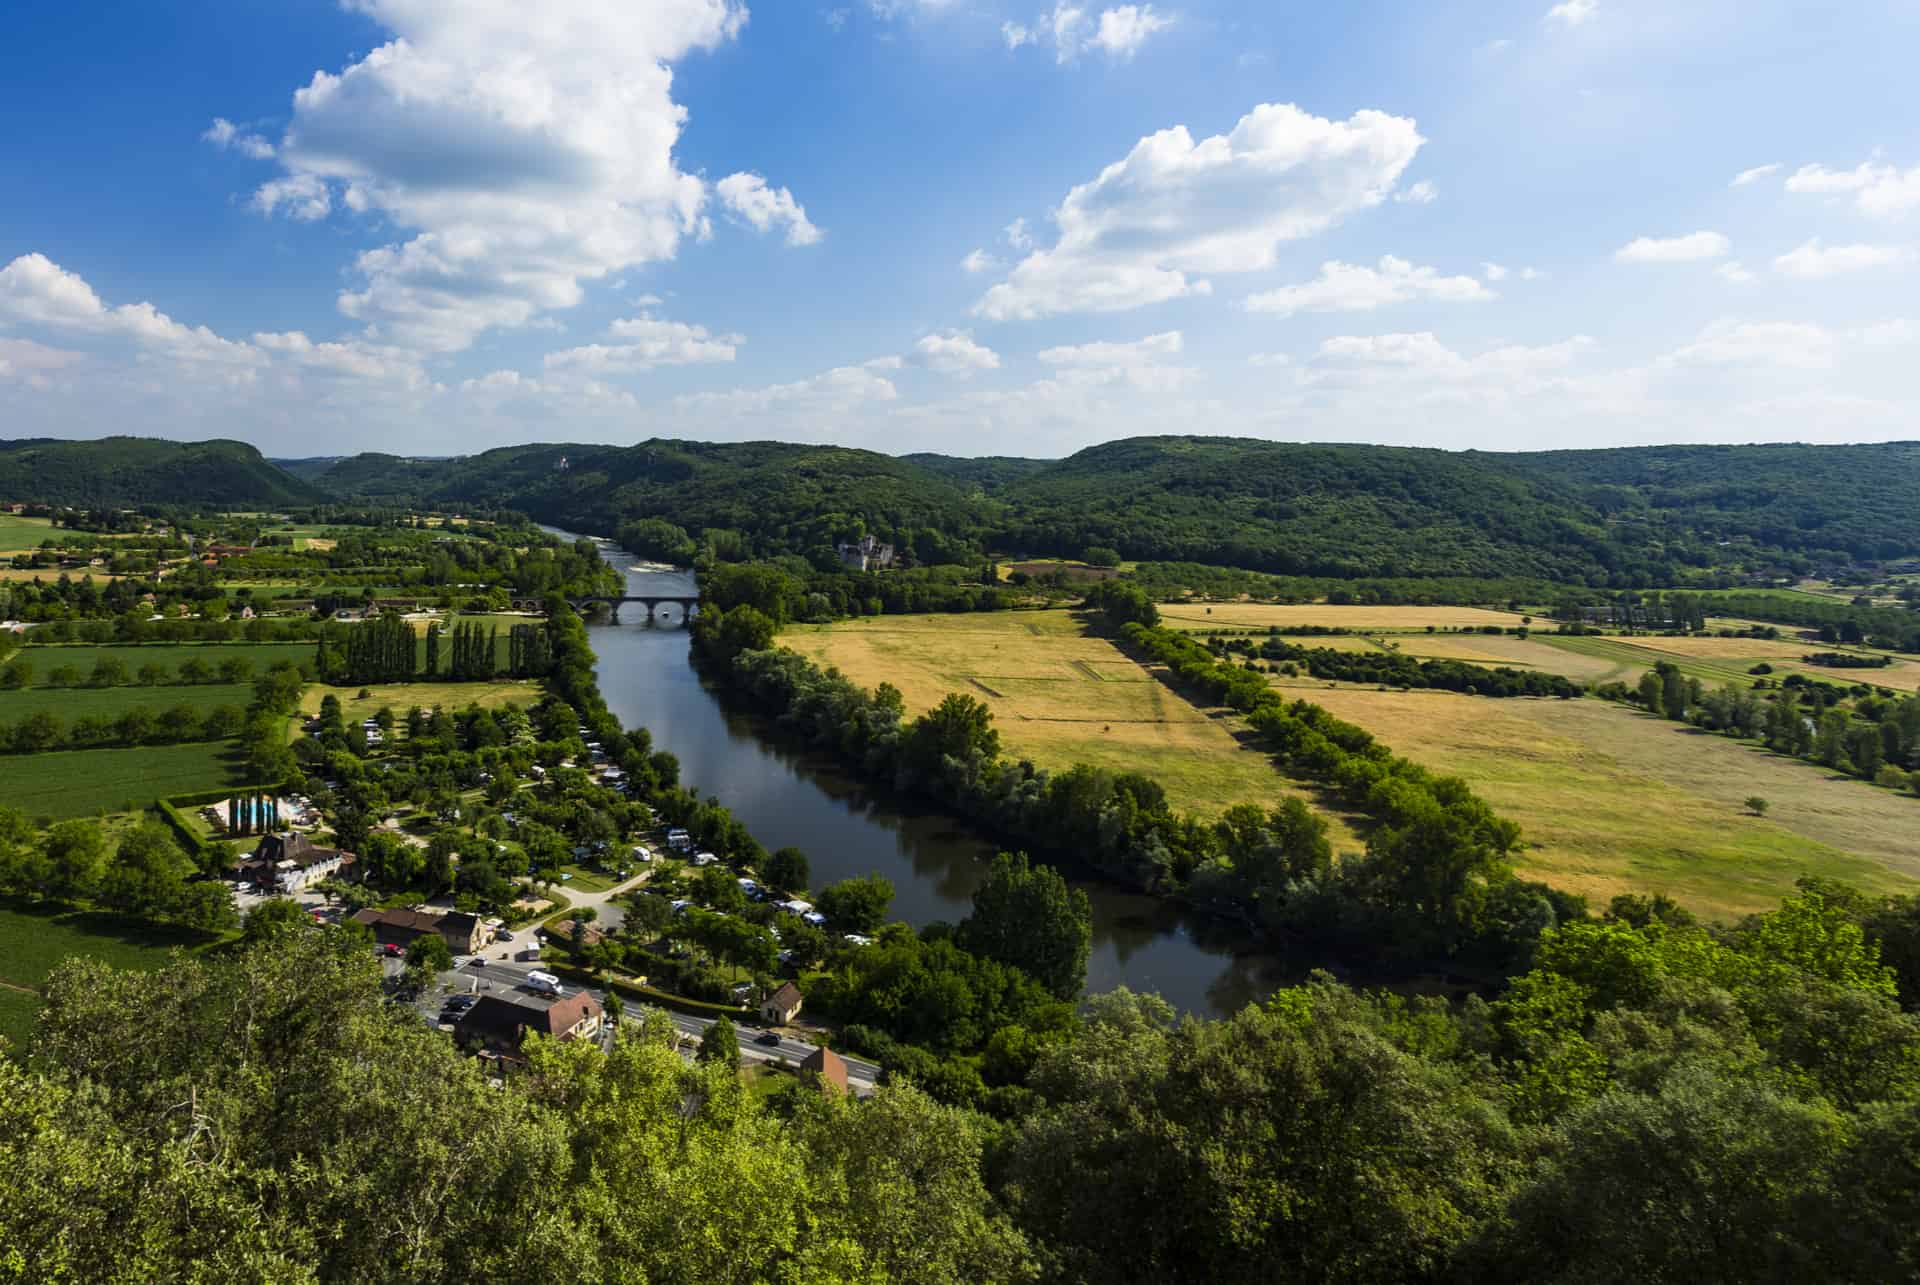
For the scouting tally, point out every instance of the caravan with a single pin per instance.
(545, 983)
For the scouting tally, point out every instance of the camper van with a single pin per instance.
(545, 983)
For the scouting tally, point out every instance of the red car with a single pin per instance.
(391, 949)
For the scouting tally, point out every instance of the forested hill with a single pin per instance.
(1860, 500)
(783, 497)
(1629, 516)
(127, 471)
(1301, 509)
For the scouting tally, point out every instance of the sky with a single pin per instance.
(980, 227)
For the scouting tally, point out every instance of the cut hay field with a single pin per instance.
(52, 574)
(71, 783)
(1058, 697)
(70, 704)
(1715, 661)
(401, 697)
(1613, 801)
(1257, 615)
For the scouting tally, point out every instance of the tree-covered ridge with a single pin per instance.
(1862, 501)
(1623, 518)
(1305, 510)
(129, 471)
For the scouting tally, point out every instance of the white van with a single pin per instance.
(545, 983)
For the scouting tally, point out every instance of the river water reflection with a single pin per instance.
(845, 828)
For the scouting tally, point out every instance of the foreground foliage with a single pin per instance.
(1653, 1101)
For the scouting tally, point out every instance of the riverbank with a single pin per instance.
(790, 796)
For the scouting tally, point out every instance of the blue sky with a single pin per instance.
(974, 226)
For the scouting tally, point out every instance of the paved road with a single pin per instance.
(610, 915)
(496, 976)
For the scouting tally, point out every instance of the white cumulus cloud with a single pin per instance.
(766, 208)
(1144, 364)
(1678, 249)
(225, 135)
(1347, 287)
(1421, 193)
(954, 352)
(1814, 260)
(521, 155)
(647, 342)
(1794, 344)
(1877, 189)
(1071, 30)
(1148, 227)
(1574, 13)
(34, 290)
(979, 261)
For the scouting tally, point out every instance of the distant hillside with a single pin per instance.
(1862, 501)
(783, 496)
(1299, 509)
(1625, 517)
(125, 471)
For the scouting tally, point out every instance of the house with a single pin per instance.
(463, 933)
(498, 1023)
(865, 554)
(826, 1069)
(782, 1007)
(288, 863)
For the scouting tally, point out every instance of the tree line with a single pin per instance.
(1395, 669)
(1876, 737)
(110, 671)
(44, 730)
(387, 650)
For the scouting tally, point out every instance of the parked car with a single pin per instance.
(505, 935)
(393, 950)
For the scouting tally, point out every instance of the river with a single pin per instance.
(846, 828)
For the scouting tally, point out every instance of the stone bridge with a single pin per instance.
(689, 604)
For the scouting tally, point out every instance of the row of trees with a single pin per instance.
(110, 671)
(1876, 738)
(386, 650)
(1395, 669)
(45, 730)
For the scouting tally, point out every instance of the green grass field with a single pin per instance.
(70, 704)
(35, 939)
(47, 657)
(71, 783)
(401, 697)
(18, 534)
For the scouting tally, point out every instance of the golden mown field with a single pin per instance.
(1058, 698)
(1614, 801)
